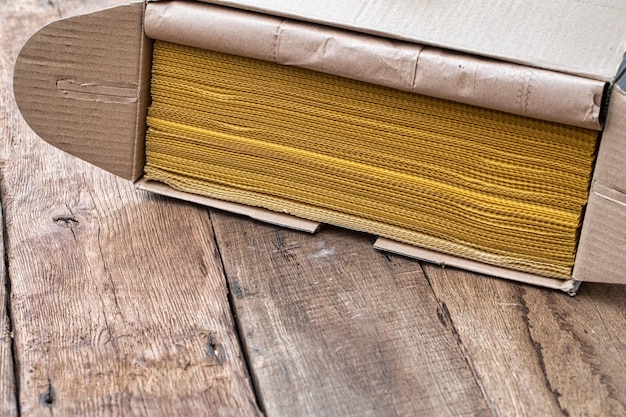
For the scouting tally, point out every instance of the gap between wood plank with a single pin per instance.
(393, 357)
(466, 354)
(233, 310)
(446, 318)
(7, 303)
(539, 352)
(519, 335)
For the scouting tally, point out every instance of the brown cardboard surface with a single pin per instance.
(264, 215)
(405, 66)
(81, 84)
(511, 88)
(568, 286)
(611, 164)
(602, 246)
(585, 38)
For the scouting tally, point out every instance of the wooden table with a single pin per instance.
(118, 302)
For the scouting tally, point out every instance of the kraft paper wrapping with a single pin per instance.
(511, 88)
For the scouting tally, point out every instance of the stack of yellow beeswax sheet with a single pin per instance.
(480, 184)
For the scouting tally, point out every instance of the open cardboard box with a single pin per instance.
(83, 85)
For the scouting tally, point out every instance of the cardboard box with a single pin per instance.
(83, 83)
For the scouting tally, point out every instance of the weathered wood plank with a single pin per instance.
(118, 298)
(8, 406)
(334, 328)
(540, 352)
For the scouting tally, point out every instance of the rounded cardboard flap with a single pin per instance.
(82, 84)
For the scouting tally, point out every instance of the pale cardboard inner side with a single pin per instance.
(585, 38)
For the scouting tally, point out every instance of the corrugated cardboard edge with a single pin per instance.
(82, 84)
(483, 82)
(568, 286)
(267, 216)
(601, 255)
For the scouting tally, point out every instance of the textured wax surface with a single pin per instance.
(480, 184)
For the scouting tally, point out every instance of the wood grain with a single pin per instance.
(539, 352)
(334, 328)
(8, 406)
(118, 298)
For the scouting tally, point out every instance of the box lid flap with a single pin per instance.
(81, 84)
(600, 256)
(586, 37)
